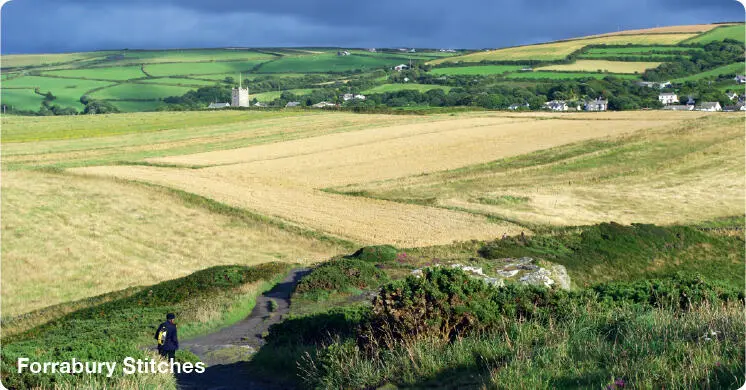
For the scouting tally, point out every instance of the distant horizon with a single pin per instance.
(52, 27)
(352, 47)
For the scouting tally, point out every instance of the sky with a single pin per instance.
(51, 26)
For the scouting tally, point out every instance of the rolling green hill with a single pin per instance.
(134, 80)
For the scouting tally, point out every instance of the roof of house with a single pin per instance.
(292, 104)
(677, 107)
(709, 104)
(667, 94)
(219, 105)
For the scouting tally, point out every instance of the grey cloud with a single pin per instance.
(53, 26)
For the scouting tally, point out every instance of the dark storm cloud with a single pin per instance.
(71, 25)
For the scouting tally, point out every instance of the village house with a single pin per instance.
(597, 105)
(347, 96)
(292, 104)
(740, 79)
(690, 101)
(360, 97)
(651, 84)
(323, 105)
(556, 105)
(668, 98)
(710, 106)
(740, 106)
(401, 67)
(343, 53)
(213, 106)
(682, 107)
(260, 104)
(372, 50)
(732, 95)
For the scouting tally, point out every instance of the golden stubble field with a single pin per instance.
(286, 179)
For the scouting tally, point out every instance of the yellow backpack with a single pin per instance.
(162, 335)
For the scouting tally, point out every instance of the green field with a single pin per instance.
(140, 91)
(118, 73)
(200, 68)
(400, 87)
(197, 55)
(20, 99)
(24, 60)
(737, 68)
(635, 57)
(67, 91)
(735, 32)
(272, 95)
(327, 63)
(639, 50)
(539, 75)
(476, 70)
(183, 81)
(136, 106)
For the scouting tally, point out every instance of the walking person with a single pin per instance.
(168, 343)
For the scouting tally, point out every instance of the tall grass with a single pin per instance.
(660, 348)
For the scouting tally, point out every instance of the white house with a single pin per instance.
(668, 98)
(292, 104)
(360, 97)
(347, 96)
(556, 105)
(710, 106)
(323, 105)
(732, 95)
(650, 84)
(597, 105)
(740, 79)
(260, 104)
(401, 67)
(218, 105)
(682, 107)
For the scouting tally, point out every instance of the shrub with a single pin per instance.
(340, 275)
(318, 328)
(375, 254)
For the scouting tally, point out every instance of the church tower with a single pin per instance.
(240, 95)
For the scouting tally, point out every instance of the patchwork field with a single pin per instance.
(685, 171)
(603, 66)
(284, 179)
(732, 69)
(736, 32)
(400, 87)
(550, 75)
(248, 187)
(139, 91)
(118, 73)
(560, 50)
(327, 62)
(67, 91)
(481, 70)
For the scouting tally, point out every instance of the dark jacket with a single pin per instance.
(172, 342)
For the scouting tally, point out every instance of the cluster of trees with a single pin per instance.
(715, 54)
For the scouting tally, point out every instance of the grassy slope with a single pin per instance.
(560, 50)
(726, 32)
(480, 70)
(99, 236)
(737, 68)
(131, 91)
(539, 75)
(326, 63)
(689, 171)
(119, 73)
(204, 300)
(604, 66)
(67, 91)
(21, 99)
(399, 87)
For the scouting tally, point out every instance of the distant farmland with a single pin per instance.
(327, 62)
(408, 86)
(735, 32)
(603, 66)
(737, 68)
(539, 75)
(476, 70)
(559, 50)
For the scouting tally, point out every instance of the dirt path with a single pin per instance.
(226, 351)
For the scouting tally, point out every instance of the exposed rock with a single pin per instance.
(523, 270)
